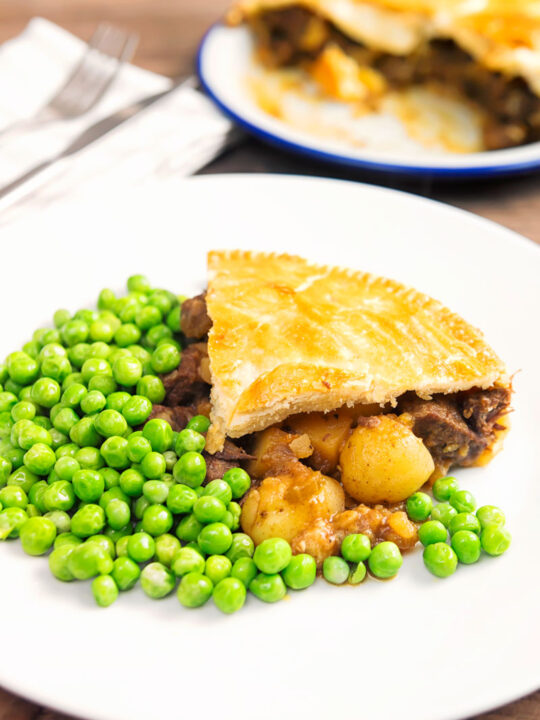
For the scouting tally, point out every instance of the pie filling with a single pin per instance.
(300, 490)
(295, 36)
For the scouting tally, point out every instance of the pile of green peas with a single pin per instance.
(471, 530)
(119, 498)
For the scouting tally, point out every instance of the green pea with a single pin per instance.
(216, 539)
(199, 423)
(466, 545)
(385, 560)
(443, 512)
(241, 546)
(189, 528)
(153, 465)
(209, 509)
(229, 595)
(173, 319)
(187, 560)
(57, 368)
(335, 570)
(137, 410)
(31, 348)
(464, 521)
(301, 572)
(88, 560)
(159, 433)
(7, 401)
(60, 518)
(89, 458)
(65, 420)
(13, 387)
(110, 422)
(141, 547)
(155, 491)
(84, 433)
(105, 384)
(357, 574)
(127, 371)
(35, 494)
(37, 535)
(114, 452)
(106, 299)
(158, 334)
(239, 481)
(156, 520)
(105, 542)
(104, 590)
(111, 477)
(78, 354)
(58, 562)
(444, 488)
(121, 546)
(432, 531)
(61, 317)
(190, 469)
(46, 392)
(140, 506)
(13, 496)
(356, 547)
(161, 299)
(22, 368)
(490, 515)
(440, 559)
(495, 540)
(88, 485)
(88, 520)
(125, 572)
(138, 283)
(138, 447)
(127, 334)
(11, 521)
(167, 547)
(152, 388)
(5, 469)
(40, 459)
(73, 332)
(131, 482)
(66, 538)
(181, 499)
(217, 568)
(219, 489)
(189, 441)
(419, 507)
(147, 317)
(58, 496)
(14, 456)
(24, 478)
(73, 395)
(194, 590)
(24, 410)
(463, 501)
(272, 555)
(268, 588)
(157, 580)
(244, 569)
(93, 402)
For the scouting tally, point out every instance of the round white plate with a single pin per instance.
(415, 648)
(225, 62)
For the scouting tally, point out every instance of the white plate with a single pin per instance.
(416, 648)
(225, 63)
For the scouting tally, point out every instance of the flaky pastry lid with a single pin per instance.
(289, 336)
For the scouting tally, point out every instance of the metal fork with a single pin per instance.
(108, 48)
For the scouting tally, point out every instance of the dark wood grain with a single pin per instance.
(170, 31)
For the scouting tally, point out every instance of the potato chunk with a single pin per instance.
(327, 432)
(384, 461)
(284, 505)
(274, 450)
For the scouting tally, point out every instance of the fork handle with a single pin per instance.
(36, 170)
(24, 124)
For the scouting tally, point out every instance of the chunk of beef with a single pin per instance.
(185, 384)
(194, 319)
(457, 428)
(230, 457)
(177, 417)
(482, 409)
(444, 431)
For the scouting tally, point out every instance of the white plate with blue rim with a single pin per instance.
(270, 106)
(414, 648)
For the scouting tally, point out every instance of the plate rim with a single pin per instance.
(492, 170)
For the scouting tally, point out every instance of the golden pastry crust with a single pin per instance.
(502, 35)
(289, 336)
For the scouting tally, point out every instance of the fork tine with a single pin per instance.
(96, 71)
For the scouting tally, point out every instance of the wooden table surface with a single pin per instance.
(169, 33)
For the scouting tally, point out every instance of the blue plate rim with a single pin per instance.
(424, 171)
